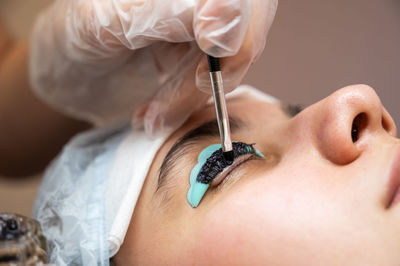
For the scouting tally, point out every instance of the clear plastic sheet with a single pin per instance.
(88, 194)
(71, 201)
(103, 60)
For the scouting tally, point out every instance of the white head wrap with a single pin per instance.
(89, 193)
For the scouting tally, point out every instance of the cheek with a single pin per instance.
(230, 234)
(253, 225)
(266, 221)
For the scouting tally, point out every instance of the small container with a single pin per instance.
(21, 241)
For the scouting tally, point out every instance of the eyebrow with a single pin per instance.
(183, 145)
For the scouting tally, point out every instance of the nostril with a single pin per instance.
(385, 124)
(359, 123)
(354, 133)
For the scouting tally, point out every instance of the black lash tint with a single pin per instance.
(216, 163)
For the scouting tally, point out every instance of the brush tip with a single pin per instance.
(229, 157)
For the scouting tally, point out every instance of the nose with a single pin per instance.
(347, 122)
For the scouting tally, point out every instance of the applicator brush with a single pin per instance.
(220, 108)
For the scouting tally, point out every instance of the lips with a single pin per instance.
(393, 192)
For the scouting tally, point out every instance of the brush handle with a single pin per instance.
(220, 106)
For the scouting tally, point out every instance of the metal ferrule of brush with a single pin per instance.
(222, 113)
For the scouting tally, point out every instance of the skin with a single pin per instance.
(31, 132)
(319, 199)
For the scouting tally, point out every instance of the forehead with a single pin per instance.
(245, 108)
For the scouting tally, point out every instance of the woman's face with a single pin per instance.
(323, 195)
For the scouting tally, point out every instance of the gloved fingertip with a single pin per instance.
(151, 127)
(203, 82)
(220, 26)
(231, 76)
(203, 86)
(230, 86)
(218, 50)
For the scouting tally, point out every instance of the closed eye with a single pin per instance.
(225, 175)
(215, 164)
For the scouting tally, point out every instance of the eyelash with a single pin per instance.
(293, 109)
(216, 163)
(227, 173)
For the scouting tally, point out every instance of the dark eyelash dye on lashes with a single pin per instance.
(210, 162)
(217, 162)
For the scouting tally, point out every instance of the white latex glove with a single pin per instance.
(101, 60)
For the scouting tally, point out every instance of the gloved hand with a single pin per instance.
(102, 60)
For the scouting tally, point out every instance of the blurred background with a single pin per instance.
(314, 48)
(17, 194)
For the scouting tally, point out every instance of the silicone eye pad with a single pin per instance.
(198, 184)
